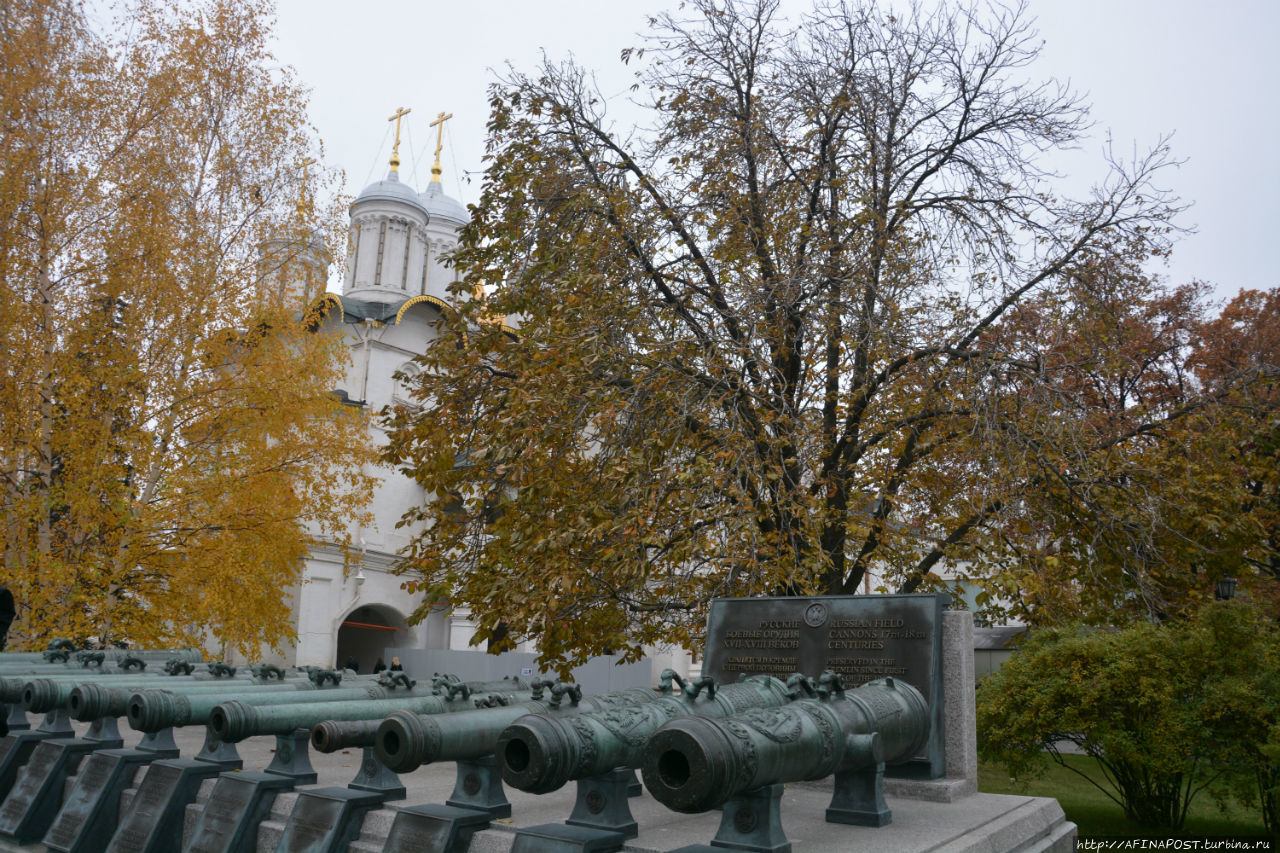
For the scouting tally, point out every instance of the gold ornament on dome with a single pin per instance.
(395, 149)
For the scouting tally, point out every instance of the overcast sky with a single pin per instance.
(1206, 73)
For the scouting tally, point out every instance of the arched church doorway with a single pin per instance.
(367, 632)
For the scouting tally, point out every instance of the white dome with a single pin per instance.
(390, 189)
(441, 207)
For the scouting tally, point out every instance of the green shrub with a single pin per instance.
(1165, 711)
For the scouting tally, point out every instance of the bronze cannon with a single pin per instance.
(695, 764)
(539, 753)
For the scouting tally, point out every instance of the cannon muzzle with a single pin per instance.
(90, 702)
(537, 755)
(405, 741)
(333, 735)
(43, 695)
(153, 710)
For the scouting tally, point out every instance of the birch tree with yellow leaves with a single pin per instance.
(168, 445)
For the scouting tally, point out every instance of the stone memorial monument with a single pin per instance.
(859, 637)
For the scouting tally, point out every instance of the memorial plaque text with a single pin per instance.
(222, 815)
(861, 637)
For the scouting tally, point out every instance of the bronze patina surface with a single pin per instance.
(859, 637)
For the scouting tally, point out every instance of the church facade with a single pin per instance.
(395, 287)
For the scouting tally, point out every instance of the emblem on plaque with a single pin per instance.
(815, 616)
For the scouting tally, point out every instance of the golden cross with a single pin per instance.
(401, 112)
(436, 171)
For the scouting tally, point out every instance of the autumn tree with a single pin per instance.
(757, 348)
(168, 445)
(1237, 358)
(1145, 436)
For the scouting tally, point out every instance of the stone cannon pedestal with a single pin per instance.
(979, 822)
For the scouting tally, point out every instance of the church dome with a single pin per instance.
(390, 189)
(441, 207)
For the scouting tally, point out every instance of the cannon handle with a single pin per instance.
(318, 676)
(441, 683)
(178, 666)
(830, 684)
(392, 680)
(539, 685)
(690, 690)
(696, 686)
(267, 672)
(559, 690)
(664, 681)
(59, 650)
(800, 685)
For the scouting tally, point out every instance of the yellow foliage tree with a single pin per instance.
(168, 444)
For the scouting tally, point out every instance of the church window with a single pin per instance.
(406, 379)
(382, 242)
(404, 276)
(355, 255)
(425, 257)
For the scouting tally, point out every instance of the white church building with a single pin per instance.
(395, 286)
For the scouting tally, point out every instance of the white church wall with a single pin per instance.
(440, 274)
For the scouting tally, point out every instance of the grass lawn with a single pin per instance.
(1095, 814)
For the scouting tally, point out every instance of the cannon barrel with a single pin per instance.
(82, 663)
(13, 685)
(7, 658)
(153, 710)
(406, 741)
(510, 684)
(17, 660)
(333, 735)
(73, 669)
(88, 702)
(539, 753)
(42, 695)
(236, 720)
(694, 764)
